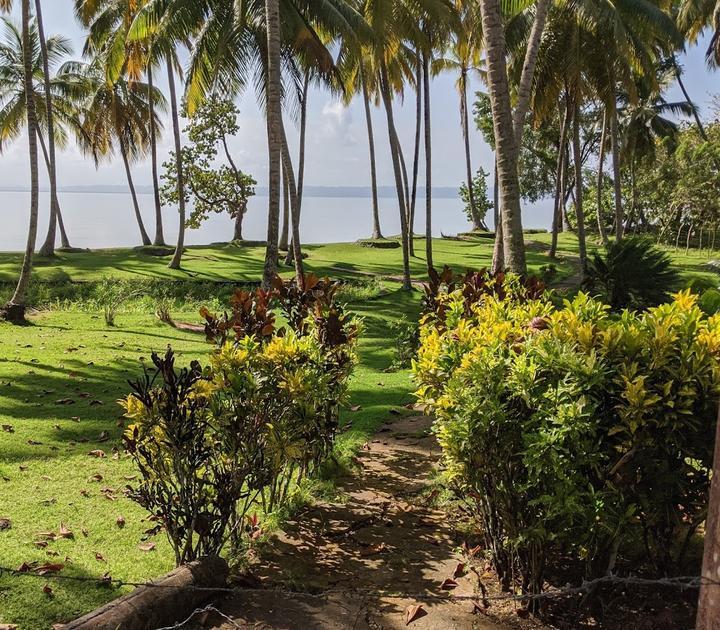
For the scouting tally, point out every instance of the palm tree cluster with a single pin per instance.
(543, 62)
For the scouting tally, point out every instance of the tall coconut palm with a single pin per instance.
(14, 310)
(117, 117)
(63, 89)
(108, 23)
(48, 247)
(463, 57)
(505, 140)
(694, 17)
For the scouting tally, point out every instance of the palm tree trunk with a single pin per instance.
(274, 113)
(542, 8)
(54, 206)
(493, 29)
(406, 186)
(291, 188)
(397, 169)
(377, 231)
(285, 231)
(48, 247)
(465, 126)
(600, 181)
(416, 155)
(498, 259)
(615, 148)
(159, 235)
(136, 206)
(301, 157)
(428, 163)
(180, 246)
(14, 310)
(560, 183)
(579, 209)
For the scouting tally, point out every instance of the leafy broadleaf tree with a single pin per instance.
(210, 188)
(476, 205)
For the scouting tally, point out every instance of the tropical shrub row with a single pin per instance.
(570, 430)
(216, 444)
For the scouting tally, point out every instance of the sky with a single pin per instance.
(337, 150)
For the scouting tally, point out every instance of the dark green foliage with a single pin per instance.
(406, 337)
(483, 205)
(632, 273)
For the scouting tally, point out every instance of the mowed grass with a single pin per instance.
(61, 376)
(245, 264)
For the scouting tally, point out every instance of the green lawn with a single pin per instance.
(244, 264)
(61, 376)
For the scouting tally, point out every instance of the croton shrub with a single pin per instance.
(216, 444)
(570, 430)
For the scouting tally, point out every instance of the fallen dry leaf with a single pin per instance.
(373, 550)
(459, 570)
(120, 521)
(47, 590)
(449, 584)
(49, 567)
(8, 428)
(96, 477)
(5, 523)
(356, 408)
(148, 546)
(99, 557)
(65, 532)
(34, 443)
(8, 626)
(97, 453)
(413, 613)
(65, 401)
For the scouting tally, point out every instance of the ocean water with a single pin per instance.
(100, 220)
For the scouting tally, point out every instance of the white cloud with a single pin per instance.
(337, 123)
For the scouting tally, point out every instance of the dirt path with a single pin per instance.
(362, 561)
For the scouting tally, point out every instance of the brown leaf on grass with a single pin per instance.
(85, 493)
(40, 544)
(120, 521)
(5, 523)
(51, 536)
(85, 532)
(49, 567)
(26, 567)
(130, 477)
(8, 626)
(22, 468)
(97, 453)
(51, 553)
(105, 580)
(99, 557)
(413, 613)
(103, 437)
(8, 428)
(356, 408)
(34, 443)
(47, 590)
(84, 394)
(46, 478)
(95, 403)
(75, 418)
(65, 401)
(50, 501)
(95, 477)
(394, 412)
(65, 532)
(478, 608)
(449, 584)
(148, 546)
(459, 570)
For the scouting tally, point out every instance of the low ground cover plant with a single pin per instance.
(569, 430)
(216, 444)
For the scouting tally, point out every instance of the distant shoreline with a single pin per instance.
(328, 192)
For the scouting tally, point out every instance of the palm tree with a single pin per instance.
(462, 57)
(63, 88)
(505, 139)
(108, 23)
(694, 17)
(48, 247)
(117, 117)
(14, 310)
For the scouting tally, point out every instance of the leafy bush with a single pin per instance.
(211, 444)
(406, 336)
(710, 301)
(632, 273)
(572, 431)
